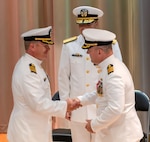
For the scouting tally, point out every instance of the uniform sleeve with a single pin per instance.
(116, 51)
(88, 98)
(115, 98)
(64, 73)
(38, 97)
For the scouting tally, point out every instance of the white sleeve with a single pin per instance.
(64, 74)
(115, 95)
(38, 99)
(88, 98)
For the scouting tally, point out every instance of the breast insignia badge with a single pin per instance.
(77, 55)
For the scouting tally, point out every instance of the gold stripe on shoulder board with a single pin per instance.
(69, 39)
(32, 68)
(110, 68)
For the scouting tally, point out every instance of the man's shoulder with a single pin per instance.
(71, 39)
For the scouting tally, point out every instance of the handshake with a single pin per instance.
(73, 104)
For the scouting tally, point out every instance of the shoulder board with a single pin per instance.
(110, 69)
(69, 39)
(32, 68)
(114, 41)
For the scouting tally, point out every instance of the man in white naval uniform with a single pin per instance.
(30, 119)
(77, 75)
(116, 119)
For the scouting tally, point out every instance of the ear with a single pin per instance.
(32, 46)
(100, 51)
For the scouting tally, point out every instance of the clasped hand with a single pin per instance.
(73, 104)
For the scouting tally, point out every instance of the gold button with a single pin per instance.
(87, 71)
(99, 70)
(87, 85)
(87, 58)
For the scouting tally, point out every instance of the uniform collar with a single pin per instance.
(106, 61)
(81, 39)
(33, 59)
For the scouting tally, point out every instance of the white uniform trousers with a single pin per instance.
(80, 134)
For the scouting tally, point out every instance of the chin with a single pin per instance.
(93, 63)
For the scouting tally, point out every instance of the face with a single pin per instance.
(85, 26)
(40, 50)
(95, 54)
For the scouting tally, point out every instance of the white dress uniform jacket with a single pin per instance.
(75, 77)
(30, 119)
(78, 75)
(116, 120)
